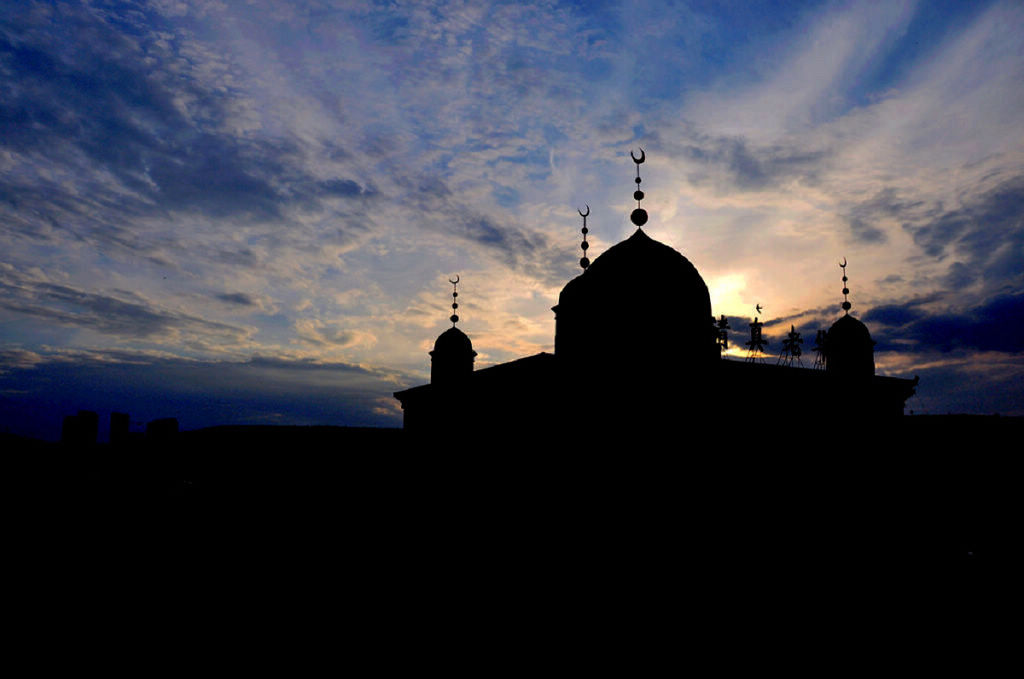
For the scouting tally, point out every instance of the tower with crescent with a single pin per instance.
(637, 347)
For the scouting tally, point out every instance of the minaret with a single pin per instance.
(451, 361)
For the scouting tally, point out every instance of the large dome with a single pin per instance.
(640, 298)
(639, 265)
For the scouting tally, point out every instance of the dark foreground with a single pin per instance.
(371, 524)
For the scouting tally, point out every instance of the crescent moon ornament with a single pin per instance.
(456, 281)
(643, 156)
(584, 214)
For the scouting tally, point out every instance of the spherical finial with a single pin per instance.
(638, 216)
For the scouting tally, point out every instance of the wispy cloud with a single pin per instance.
(127, 316)
(299, 180)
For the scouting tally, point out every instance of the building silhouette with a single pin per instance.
(637, 349)
(80, 430)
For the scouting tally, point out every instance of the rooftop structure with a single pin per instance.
(637, 347)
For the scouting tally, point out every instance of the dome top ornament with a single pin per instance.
(846, 291)
(454, 318)
(584, 261)
(639, 215)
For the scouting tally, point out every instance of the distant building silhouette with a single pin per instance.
(81, 429)
(119, 428)
(637, 348)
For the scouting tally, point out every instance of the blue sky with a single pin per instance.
(248, 212)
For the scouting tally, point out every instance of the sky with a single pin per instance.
(248, 212)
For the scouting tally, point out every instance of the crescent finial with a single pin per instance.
(643, 156)
(582, 213)
(456, 281)
(843, 265)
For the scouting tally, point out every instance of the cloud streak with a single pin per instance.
(212, 180)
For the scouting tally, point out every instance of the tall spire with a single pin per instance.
(846, 291)
(584, 262)
(639, 215)
(454, 318)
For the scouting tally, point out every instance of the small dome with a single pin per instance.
(453, 340)
(452, 358)
(850, 349)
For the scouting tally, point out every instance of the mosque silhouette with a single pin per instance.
(635, 474)
(637, 349)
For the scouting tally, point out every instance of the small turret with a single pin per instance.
(451, 361)
(849, 349)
